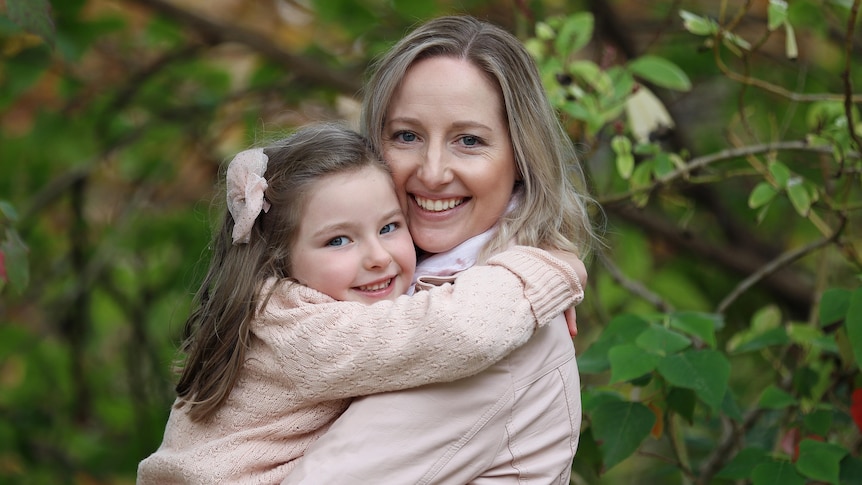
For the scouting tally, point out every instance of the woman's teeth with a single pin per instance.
(438, 204)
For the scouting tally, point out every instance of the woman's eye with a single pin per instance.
(388, 228)
(338, 241)
(405, 136)
(470, 140)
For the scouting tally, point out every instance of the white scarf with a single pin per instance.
(456, 259)
(462, 256)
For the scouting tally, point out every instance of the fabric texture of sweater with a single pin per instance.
(515, 423)
(310, 354)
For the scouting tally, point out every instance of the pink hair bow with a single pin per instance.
(245, 187)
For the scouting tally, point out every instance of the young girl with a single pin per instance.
(273, 357)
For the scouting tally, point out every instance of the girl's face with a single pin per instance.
(448, 144)
(353, 243)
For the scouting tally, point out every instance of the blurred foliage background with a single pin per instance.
(721, 138)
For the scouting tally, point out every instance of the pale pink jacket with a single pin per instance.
(309, 354)
(517, 422)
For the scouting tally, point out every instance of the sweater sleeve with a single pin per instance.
(326, 349)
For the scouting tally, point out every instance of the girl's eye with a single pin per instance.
(338, 241)
(405, 136)
(470, 140)
(388, 228)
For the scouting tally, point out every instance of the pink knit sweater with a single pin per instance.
(310, 354)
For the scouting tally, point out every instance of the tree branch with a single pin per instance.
(215, 33)
(772, 266)
(848, 83)
(787, 286)
(635, 287)
(728, 154)
(773, 88)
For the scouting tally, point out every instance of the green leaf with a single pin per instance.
(818, 422)
(775, 398)
(765, 330)
(734, 42)
(804, 334)
(706, 372)
(28, 65)
(628, 361)
(682, 401)
(799, 197)
(820, 461)
(619, 428)
(594, 399)
(8, 211)
(834, 303)
(776, 14)
(730, 408)
(762, 194)
(33, 16)
(780, 173)
(700, 325)
(750, 341)
(622, 329)
(544, 31)
(642, 174)
(766, 318)
(698, 25)
(664, 164)
(593, 75)
(15, 259)
(743, 464)
(851, 470)
(660, 72)
(622, 147)
(853, 323)
(776, 473)
(662, 341)
(574, 34)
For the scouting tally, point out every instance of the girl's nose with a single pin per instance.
(376, 255)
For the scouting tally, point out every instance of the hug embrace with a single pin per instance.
(395, 306)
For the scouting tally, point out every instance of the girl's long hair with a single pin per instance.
(554, 208)
(217, 332)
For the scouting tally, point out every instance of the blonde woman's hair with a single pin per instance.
(553, 212)
(217, 332)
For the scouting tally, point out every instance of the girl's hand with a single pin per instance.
(581, 270)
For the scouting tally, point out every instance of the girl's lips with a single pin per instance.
(438, 205)
(376, 291)
(380, 285)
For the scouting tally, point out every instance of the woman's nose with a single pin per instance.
(434, 170)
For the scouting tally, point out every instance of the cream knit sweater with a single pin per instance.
(310, 354)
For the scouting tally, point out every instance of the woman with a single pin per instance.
(481, 162)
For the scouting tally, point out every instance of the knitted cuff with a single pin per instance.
(550, 284)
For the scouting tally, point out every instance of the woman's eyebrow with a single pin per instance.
(458, 125)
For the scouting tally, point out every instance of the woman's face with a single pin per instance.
(448, 144)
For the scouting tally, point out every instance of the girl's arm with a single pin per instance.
(331, 350)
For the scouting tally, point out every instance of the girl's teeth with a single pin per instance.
(378, 286)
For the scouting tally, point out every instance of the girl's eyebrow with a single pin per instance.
(393, 213)
(332, 228)
(347, 225)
